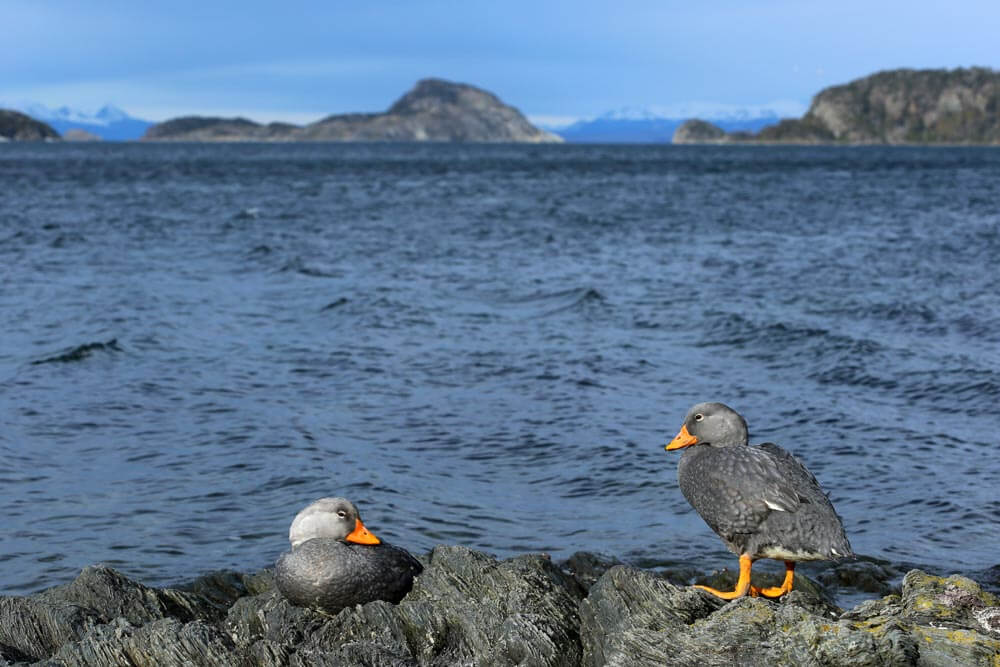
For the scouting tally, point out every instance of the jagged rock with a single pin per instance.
(32, 629)
(465, 608)
(954, 621)
(434, 110)
(112, 595)
(634, 618)
(165, 642)
(468, 608)
(588, 567)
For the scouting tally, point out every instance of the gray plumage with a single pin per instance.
(761, 500)
(323, 571)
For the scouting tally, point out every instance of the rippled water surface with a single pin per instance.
(486, 345)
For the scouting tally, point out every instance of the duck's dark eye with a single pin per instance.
(698, 417)
(342, 514)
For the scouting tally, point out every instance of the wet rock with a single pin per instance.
(224, 587)
(588, 567)
(111, 595)
(468, 608)
(860, 575)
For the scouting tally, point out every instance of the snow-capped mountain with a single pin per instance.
(657, 124)
(109, 122)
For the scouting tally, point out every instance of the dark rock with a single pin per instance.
(112, 596)
(33, 629)
(165, 643)
(434, 110)
(860, 575)
(468, 608)
(224, 587)
(588, 567)
(16, 126)
(989, 579)
(465, 608)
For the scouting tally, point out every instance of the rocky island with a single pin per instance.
(16, 126)
(903, 106)
(434, 110)
(468, 608)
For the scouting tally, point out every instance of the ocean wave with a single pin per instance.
(737, 330)
(311, 269)
(772, 341)
(955, 389)
(541, 304)
(855, 375)
(80, 352)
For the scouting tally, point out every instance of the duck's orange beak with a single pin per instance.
(682, 439)
(361, 535)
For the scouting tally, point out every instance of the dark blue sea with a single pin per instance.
(486, 345)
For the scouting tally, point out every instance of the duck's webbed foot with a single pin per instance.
(742, 585)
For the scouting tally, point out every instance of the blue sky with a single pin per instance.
(300, 61)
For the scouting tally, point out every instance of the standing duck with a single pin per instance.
(336, 562)
(760, 500)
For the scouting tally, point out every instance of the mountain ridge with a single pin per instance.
(108, 123)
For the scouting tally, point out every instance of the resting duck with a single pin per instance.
(759, 499)
(336, 562)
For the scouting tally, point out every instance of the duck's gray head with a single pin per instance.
(330, 517)
(713, 424)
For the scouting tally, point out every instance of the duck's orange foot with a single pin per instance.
(770, 592)
(777, 591)
(725, 595)
(742, 585)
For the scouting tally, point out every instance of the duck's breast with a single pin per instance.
(329, 574)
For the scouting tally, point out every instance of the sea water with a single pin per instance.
(486, 345)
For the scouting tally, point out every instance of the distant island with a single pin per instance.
(903, 106)
(16, 126)
(434, 110)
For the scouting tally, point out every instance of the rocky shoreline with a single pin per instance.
(468, 608)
